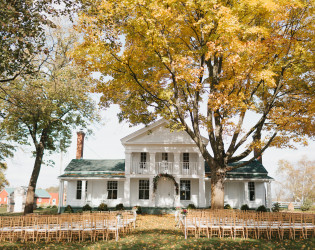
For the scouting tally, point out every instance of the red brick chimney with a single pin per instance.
(80, 144)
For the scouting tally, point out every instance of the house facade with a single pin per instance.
(161, 169)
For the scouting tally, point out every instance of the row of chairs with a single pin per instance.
(247, 224)
(66, 227)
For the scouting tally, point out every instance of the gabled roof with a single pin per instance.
(96, 165)
(42, 193)
(9, 190)
(158, 133)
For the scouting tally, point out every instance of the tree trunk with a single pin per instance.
(217, 188)
(30, 197)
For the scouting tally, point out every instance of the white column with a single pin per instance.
(127, 192)
(201, 165)
(83, 198)
(60, 198)
(177, 197)
(152, 162)
(269, 199)
(177, 163)
(151, 194)
(202, 197)
(246, 201)
(128, 163)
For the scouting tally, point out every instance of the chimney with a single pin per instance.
(80, 144)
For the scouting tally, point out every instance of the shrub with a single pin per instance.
(191, 206)
(119, 207)
(54, 206)
(48, 206)
(68, 209)
(139, 210)
(227, 206)
(275, 207)
(102, 207)
(87, 207)
(244, 207)
(261, 208)
(307, 204)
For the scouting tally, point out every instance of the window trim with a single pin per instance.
(187, 193)
(144, 190)
(112, 192)
(251, 191)
(79, 190)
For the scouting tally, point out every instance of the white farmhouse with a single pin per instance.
(161, 169)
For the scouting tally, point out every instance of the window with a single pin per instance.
(39, 199)
(79, 190)
(0, 199)
(86, 185)
(185, 160)
(185, 190)
(5, 199)
(251, 191)
(143, 189)
(54, 201)
(165, 157)
(143, 160)
(112, 187)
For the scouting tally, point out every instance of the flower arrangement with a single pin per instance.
(184, 212)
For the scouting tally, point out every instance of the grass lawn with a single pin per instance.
(159, 232)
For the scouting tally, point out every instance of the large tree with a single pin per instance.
(207, 65)
(43, 109)
(298, 179)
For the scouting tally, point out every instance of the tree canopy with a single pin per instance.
(207, 65)
(22, 35)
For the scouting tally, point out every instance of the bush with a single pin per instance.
(68, 209)
(48, 206)
(87, 207)
(120, 207)
(54, 206)
(307, 204)
(261, 208)
(139, 210)
(102, 207)
(275, 207)
(245, 207)
(191, 206)
(227, 206)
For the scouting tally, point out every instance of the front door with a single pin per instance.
(165, 193)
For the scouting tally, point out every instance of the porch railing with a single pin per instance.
(164, 168)
(141, 168)
(189, 168)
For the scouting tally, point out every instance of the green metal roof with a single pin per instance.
(252, 167)
(9, 190)
(42, 193)
(96, 165)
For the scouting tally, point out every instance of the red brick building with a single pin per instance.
(4, 195)
(54, 200)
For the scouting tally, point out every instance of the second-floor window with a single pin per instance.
(143, 189)
(79, 190)
(186, 160)
(143, 159)
(185, 190)
(164, 157)
(251, 191)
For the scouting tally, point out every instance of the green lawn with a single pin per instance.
(159, 232)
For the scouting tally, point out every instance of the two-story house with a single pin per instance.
(161, 169)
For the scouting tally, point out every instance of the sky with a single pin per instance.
(105, 144)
